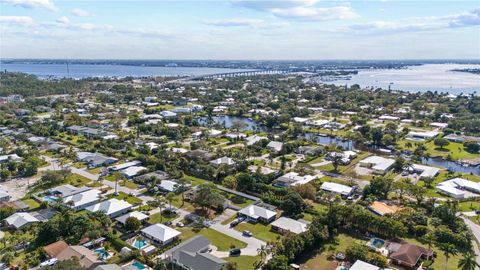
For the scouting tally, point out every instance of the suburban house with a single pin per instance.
(123, 166)
(285, 224)
(309, 150)
(200, 154)
(251, 140)
(193, 254)
(337, 188)
(256, 213)
(20, 219)
(168, 186)
(4, 196)
(361, 265)
(293, 179)
(388, 118)
(223, 161)
(11, 157)
(133, 171)
(422, 135)
(459, 188)
(407, 255)
(62, 251)
(381, 208)
(160, 234)
(462, 138)
(275, 146)
(95, 159)
(80, 201)
(379, 165)
(138, 215)
(426, 172)
(112, 208)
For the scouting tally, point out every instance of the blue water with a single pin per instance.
(451, 165)
(139, 265)
(325, 140)
(79, 71)
(49, 199)
(102, 253)
(139, 244)
(227, 121)
(378, 243)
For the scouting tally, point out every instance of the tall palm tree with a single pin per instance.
(263, 253)
(468, 262)
(448, 250)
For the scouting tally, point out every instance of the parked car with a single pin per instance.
(235, 252)
(236, 222)
(180, 224)
(247, 233)
(168, 223)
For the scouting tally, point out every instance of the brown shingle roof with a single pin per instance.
(410, 254)
(88, 258)
(55, 248)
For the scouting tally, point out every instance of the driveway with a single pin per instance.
(476, 232)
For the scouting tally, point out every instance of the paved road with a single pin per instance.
(476, 232)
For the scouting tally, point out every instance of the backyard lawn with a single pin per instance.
(77, 180)
(194, 180)
(456, 150)
(259, 230)
(244, 262)
(32, 204)
(221, 241)
(126, 197)
(155, 218)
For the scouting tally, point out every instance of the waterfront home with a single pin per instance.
(112, 208)
(337, 188)
(426, 172)
(379, 165)
(256, 213)
(251, 140)
(285, 224)
(160, 234)
(193, 254)
(459, 188)
(293, 179)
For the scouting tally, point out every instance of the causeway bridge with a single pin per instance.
(239, 74)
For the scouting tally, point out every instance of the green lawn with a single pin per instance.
(155, 218)
(221, 241)
(128, 184)
(95, 170)
(194, 180)
(244, 262)
(126, 197)
(456, 150)
(32, 203)
(77, 180)
(439, 263)
(259, 230)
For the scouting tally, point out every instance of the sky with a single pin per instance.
(240, 29)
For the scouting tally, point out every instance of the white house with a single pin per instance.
(361, 265)
(377, 164)
(138, 215)
(4, 196)
(20, 219)
(168, 185)
(458, 188)
(133, 171)
(425, 171)
(438, 125)
(275, 146)
(168, 114)
(422, 135)
(256, 213)
(293, 179)
(124, 165)
(223, 160)
(112, 208)
(285, 224)
(82, 200)
(389, 118)
(254, 139)
(336, 188)
(160, 234)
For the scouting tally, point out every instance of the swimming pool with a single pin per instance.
(49, 199)
(378, 243)
(139, 243)
(139, 265)
(102, 253)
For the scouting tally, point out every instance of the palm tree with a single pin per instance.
(170, 196)
(263, 253)
(448, 250)
(468, 262)
(182, 187)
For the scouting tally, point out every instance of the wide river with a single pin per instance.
(429, 77)
(79, 71)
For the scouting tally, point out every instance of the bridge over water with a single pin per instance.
(239, 74)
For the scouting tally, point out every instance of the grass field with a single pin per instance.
(455, 150)
(194, 180)
(221, 241)
(260, 231)
(32, 204)
(77, 180)
(244, 262)
(155, 218)
(126, 197)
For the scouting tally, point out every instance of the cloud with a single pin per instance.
(80, 12)
(299, 9)
(422, 24)
(244, 22)
(20, 20)
(46, 4)
(63, 20)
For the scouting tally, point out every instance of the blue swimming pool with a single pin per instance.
(139, 265)
(49, 199)
(378, 243)
(102, 253)
(139, 243)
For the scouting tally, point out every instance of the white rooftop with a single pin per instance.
(168, 185)
(293, 178)
(361, 265)
(138, 215)
(379, 163)
(124, 165)
(291, 225)
(83, 198)
(336, 188)
(256, 212)
(109, 207)
(20, 219)
(133, 170)
(160, 232)
(457, 186)
(425, 171)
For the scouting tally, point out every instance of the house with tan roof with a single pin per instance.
(382, 209)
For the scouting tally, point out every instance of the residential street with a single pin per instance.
(476, 232)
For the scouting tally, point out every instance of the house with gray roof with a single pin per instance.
(193, 254)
